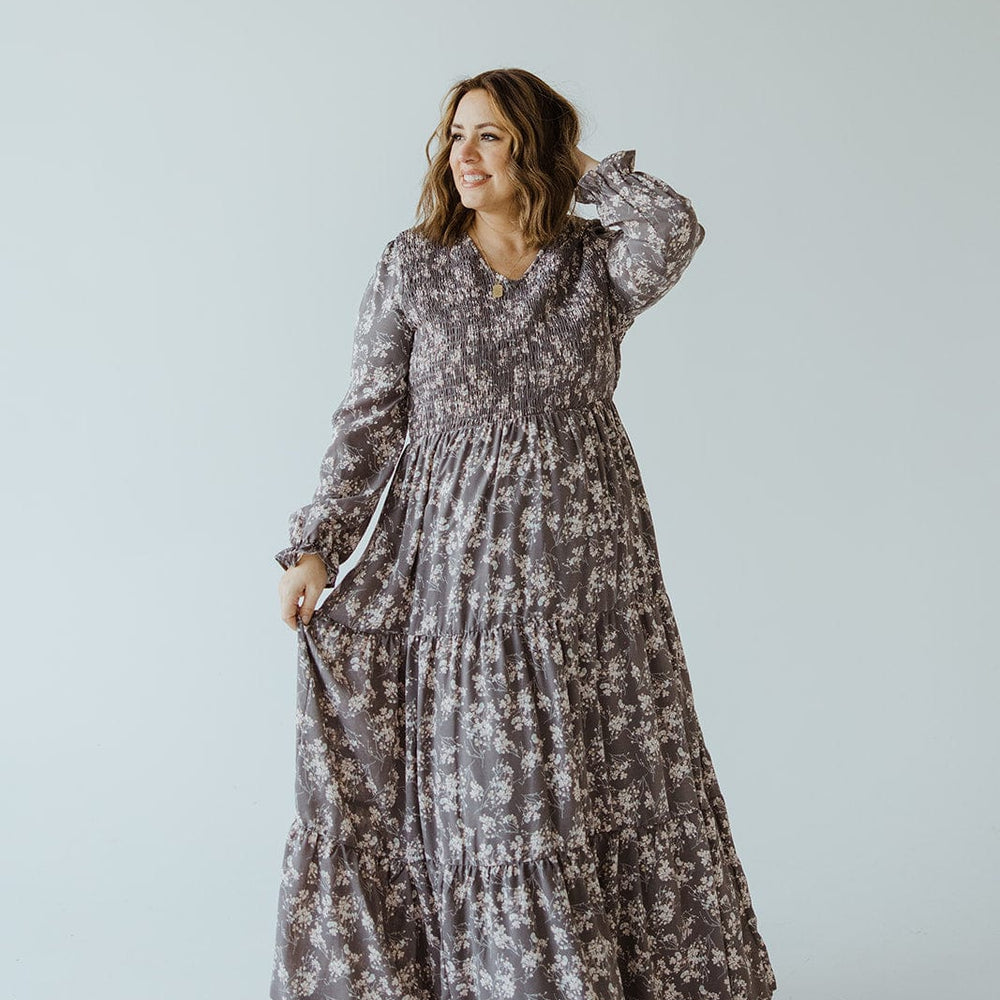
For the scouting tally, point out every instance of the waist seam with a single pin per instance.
(422, 427)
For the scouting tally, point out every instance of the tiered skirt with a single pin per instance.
(502, 788)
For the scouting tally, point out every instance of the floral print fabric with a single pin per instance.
(502, 789)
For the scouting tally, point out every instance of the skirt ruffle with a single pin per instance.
(525, 810)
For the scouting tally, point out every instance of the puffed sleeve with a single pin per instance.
(369, 428)
(652, 231)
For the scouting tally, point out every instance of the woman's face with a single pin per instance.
(481, 146)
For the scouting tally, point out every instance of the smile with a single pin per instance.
(474, 180)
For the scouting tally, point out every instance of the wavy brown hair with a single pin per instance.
(545, 128)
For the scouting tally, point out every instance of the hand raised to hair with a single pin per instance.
(583, 162)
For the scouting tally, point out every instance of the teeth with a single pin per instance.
(473, 177)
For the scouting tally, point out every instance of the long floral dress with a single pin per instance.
(502, 789)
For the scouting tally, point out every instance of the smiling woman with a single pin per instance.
(513, 128)
(481, 158)
(502, 785)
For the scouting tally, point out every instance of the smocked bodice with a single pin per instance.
(549, 342)
(435, 351)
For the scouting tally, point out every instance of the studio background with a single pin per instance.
(192, 198)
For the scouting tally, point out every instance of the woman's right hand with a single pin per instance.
(305, 580)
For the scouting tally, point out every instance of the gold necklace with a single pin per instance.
(497, 290)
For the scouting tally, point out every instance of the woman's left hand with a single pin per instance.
(583, 162)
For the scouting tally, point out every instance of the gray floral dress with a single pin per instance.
(502, 789)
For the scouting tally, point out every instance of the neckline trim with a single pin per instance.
(542, 252)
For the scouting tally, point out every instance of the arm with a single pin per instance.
(369, 427)
(654, 231)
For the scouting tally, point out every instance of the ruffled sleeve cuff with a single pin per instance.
(288, 557)
(608, 177)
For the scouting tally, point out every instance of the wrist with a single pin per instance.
(310, 555)
(584, 162)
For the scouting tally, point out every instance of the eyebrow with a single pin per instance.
(480, 125)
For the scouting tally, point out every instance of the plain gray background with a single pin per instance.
(193, 197)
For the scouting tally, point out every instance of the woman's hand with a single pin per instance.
(306, 579)
(583, 162)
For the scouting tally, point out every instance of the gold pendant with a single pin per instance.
(497, 290)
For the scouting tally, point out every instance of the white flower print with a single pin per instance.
(502, 789)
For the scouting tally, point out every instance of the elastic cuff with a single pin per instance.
(609, 172)
(289, 557)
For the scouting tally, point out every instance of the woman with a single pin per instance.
(502, 786)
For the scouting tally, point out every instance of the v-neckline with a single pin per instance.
(500, 274)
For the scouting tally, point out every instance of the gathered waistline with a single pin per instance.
(422, 427)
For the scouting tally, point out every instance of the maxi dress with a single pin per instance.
(502, 789)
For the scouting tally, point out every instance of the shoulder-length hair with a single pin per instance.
(545, 129)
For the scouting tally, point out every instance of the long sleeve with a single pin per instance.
(369, 428)
(652, 230)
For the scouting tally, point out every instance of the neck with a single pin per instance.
(498, 230)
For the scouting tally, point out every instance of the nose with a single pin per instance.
(468, 154)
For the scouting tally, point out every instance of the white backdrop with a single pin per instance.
(192, 197)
